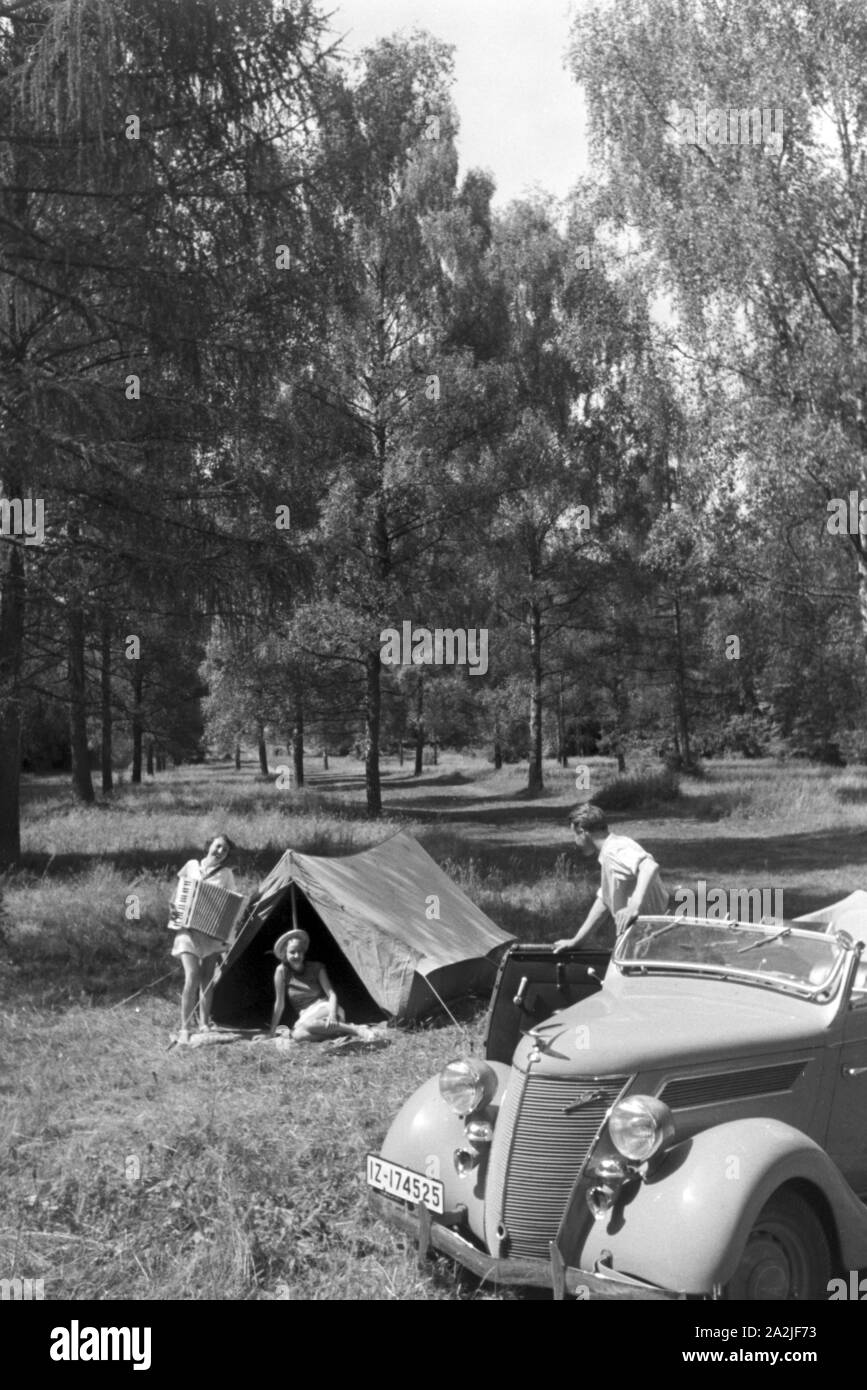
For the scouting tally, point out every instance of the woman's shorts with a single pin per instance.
(195, 943)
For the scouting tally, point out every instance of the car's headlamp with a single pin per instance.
(467, 1084)
(639, 1126)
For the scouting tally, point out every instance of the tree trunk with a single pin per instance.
(621, 709)
(263, 752)
(748, 702)
(237, 757)
(150, 758)
(858, 540)
(680, 702)
(11, 652)
(436, 750)
(372, 715)
(561, 728)
(137, 725)
(82, 782)
(105, 697)
(859, 270)
(535, 779)
(325, 760)
(498, 755)
(400, 752)
(298, 741)
(419, 727)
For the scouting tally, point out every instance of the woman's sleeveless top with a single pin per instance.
(304, 988)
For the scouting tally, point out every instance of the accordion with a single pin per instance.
(206, 908)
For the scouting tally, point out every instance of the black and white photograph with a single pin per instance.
(433, 667)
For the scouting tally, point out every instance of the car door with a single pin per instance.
(847, 1130)
(533, 983)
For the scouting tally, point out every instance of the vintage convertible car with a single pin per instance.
(688, 1119)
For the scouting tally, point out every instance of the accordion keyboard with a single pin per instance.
(207, 908)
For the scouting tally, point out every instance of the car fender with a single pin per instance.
(424, 1136)
(685, 1227)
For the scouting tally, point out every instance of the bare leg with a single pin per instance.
(349, 1030)
(314, 1026)
(189, 996)
(320, 1032)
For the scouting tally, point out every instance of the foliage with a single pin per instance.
(638, 791)
(429, 390)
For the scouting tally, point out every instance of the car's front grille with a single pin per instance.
(536, 1155)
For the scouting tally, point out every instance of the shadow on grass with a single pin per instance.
(852, 796)
(736, 861)
(494, 810)
(758, 856)
(510, 809)
(164, 864)
(441, 779)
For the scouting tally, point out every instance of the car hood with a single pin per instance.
(651, 1021)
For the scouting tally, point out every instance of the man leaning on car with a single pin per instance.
(630, 884)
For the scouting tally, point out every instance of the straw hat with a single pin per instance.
(279, 948)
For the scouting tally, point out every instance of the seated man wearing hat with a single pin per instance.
(311, 995)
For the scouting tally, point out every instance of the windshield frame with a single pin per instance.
(820, 993)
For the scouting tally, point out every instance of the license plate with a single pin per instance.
(404, 1183)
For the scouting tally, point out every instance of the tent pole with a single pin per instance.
(294, 906)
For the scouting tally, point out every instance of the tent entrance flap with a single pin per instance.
(244, 994)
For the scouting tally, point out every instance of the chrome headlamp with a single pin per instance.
(467, 1084)
(640, 1126)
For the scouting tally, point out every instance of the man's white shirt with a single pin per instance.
(619, 862)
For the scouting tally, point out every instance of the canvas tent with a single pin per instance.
(395, 934)
(849, 915)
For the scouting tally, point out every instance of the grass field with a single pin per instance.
(134, 1171)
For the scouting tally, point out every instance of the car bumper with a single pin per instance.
(553, 1274)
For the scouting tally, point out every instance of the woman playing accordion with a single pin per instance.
(199, 950)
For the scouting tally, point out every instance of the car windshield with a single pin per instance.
(778, 955)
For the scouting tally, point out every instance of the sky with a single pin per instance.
(521, 113)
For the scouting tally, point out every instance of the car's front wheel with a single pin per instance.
(786, 1255)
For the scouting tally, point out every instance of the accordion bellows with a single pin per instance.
(207, 908)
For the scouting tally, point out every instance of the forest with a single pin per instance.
(279, 386)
